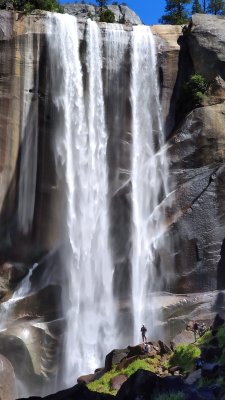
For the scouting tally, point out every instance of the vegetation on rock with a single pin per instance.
(102, 385)
(193, 92)
(185, 356)
(31, 5)
(107, 16)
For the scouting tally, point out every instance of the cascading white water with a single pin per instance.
(29, 139)
(81, 151)
(148, 177)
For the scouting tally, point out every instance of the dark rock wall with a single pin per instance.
(196, 152)
(196, 148)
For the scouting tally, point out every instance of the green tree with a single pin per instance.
(176, 12)
(102, 3)
(204, 5)
(107, 16)
(216, 7)
(196, 7)
(30, 5)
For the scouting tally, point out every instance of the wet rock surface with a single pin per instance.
(7, 380)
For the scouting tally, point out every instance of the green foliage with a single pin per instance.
(31, 5)
(205, 339)
(193, 92)
(204, 382)
(221, 335)
(170, 396)
(102, 385)
(107, 16)
(101, 3)
(176, 12)
(148, 364)
(196, 7)
(185, 356)
(216, 7)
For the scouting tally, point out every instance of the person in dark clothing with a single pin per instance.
(202, 329)
(143, 333)
(199, 363)
(196, 329)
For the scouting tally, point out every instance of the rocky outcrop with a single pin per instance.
(123, 14)
(7, 380)
(143, 385)
(196, 151)
(168, 59)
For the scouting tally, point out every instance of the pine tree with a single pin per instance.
(196, 7)
(204, 5)
(101, 3)
(216, 7)
(176, 12)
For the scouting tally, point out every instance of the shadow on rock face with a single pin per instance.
(221, 268)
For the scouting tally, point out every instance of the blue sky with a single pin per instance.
(148, 10)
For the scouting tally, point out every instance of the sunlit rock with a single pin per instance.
(7, 380)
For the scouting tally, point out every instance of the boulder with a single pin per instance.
(210, 370)
(210, 354)
(115, 357)
(164, 349)
(214, 342)
(117, 381)
(77, 392)
(218, 321)
(193, 377)
(84, 11)
(44, 303)
(13, 272)
(174, 369)
(7, 380)
(135, 350)
(129, 360)
(86, 378)
(145, 385)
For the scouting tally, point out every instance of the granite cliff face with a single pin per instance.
(31, 195)
(123, 14)
(197, 163)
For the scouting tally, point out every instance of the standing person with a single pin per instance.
(196, 329)
(143, 333)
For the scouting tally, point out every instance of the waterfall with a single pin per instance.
(81, 155)
(149, 182)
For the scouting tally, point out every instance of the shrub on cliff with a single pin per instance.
(107, 16)
(185, 356)
(193, 92)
